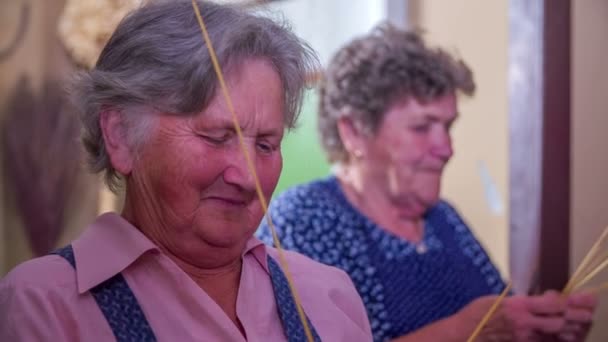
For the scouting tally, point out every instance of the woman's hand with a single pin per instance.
(519, 318)
(579, 316)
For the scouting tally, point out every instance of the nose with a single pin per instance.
(442, 147)
(238, 172)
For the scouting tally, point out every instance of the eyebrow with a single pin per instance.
(228, 125)
(434, 118)
(272, 132)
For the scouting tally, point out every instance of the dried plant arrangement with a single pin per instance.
(41, 160)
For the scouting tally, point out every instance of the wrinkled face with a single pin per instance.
(192, 174)
(409, 151)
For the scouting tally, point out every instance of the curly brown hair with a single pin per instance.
(370, 73)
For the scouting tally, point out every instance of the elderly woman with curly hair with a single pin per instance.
(180, 262)
(387, 104)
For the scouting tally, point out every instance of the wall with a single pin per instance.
(589, 184)
(326, 26)
(476, 180)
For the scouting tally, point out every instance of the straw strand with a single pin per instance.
(489, 314)
(251, 167)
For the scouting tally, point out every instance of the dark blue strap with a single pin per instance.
(292, 325)
(118, 304)
(128, 322)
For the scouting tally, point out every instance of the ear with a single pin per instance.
(116, 144)
(352, 137)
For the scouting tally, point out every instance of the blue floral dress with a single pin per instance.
(404, 287)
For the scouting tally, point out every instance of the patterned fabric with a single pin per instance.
(294, 330)
(128, 322)
(404, 287)
(119, 306)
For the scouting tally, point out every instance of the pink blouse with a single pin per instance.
(44, 299)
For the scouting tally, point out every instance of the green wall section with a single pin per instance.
(303, 157)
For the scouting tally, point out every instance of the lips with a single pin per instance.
(236, 201)
(228, 195)
(429, 170)
(428, 166)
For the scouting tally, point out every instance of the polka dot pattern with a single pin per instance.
(403, 287)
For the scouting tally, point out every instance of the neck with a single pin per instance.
(217, 271)
(370, 200)
(221, 284)
(220, 281)
(177, 238)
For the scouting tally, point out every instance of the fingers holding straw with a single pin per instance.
(489, 314)
(593, 263)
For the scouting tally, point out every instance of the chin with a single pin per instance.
(223, 240)
(432, 195)
(431, 200)
(223, 233)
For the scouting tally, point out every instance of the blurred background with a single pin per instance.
(529, 172)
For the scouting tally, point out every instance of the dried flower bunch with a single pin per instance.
(41, 159)
(86, 25)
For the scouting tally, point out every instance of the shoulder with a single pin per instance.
(320, 285)
(447, 213)
(306, 196)
(449, 224)
(41, 281)
(304, 212)
(46, 272)
(303, 267)
(469, 245)
(311, 274)
(446, 208)
(34, 296)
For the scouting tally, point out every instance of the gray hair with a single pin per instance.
(370, 73)
(156, 61)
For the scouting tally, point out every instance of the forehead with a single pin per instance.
(256, 93)
(441, 108)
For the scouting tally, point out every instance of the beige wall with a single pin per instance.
(481, 133)
(477, 30)
(589, 186)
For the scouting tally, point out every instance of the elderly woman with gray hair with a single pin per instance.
(180, 262)
(387, 104)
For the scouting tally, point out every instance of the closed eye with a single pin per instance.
(266, 147)
(216, 140)
(424, 128)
